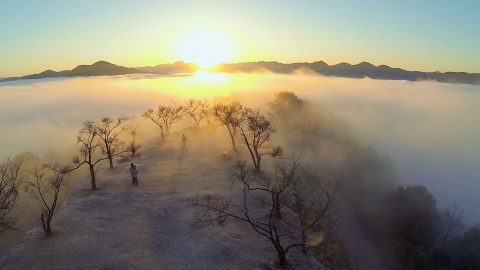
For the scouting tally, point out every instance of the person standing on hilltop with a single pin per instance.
(134, 174)
(184, 139)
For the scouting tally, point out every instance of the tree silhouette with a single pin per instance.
(314, 200)
(11, 177)
(45, 188)
(164, 117)
(133, 146)
(109, 131)
(231, 116)
(282, 234)
(197, 109)
(90, 150)
(413, 223)
(285, 101)
(256, 132)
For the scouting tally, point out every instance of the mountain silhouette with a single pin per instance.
(360, 70)
(179, 67)
(100, 68)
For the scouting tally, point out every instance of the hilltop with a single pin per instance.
(151, 226)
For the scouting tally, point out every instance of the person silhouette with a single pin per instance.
(134, 174)
(184, 139)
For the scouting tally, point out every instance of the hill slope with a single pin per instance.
(150, 226)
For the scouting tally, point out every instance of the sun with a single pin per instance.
(205, 48)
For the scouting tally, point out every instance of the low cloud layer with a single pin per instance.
(429, 130)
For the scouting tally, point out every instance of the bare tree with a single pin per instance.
(231, 116)
(133, 146)
(256, 134)
(280, 232)
(45, 188)
(164, 117)
(452, 224)
(90, 150)
(11, 177)
(313, 202)
(197, 109)
(109, 132)
(284, 178)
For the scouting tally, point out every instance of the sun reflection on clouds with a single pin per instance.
(210, 77)
(202, 84)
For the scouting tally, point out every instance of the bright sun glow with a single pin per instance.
(206, 76)
(205, 48)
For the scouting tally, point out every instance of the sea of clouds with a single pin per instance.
(429, 130)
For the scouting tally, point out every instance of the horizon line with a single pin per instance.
(243, 62)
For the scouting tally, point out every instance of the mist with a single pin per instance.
(426, 131)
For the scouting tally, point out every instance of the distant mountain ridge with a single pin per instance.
(179, 67)
(100, 68)
(361, 70)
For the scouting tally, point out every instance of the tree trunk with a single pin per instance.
(254, 160)
(109, 154)
(49, 220)
(110, 159)
(46, 225)
(304, 237)
(258, 159)
(282, 258)
(276, 206)
(257, 165)
(232, 138)
(92, 177)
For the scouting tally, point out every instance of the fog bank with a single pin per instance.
(428, 130)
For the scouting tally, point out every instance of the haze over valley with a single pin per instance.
(232, 135)
(420, 126)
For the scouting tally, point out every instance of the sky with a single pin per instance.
(425, 35)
